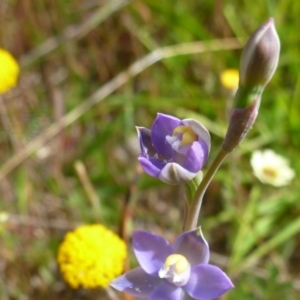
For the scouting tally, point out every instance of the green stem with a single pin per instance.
(194, 209)
(191, 188)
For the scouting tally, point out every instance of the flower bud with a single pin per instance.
(241, 121)
(260, 56)
(258, 64)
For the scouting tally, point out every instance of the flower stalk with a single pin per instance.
(195, 207)
(258, 63)
(174, 151)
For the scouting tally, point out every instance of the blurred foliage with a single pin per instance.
(68, 50)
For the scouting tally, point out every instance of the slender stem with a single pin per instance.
(194, 209)
(191, 188)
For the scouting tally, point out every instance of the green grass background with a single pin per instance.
(67, 51)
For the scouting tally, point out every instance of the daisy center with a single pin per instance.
(270, 172)
(176, 270)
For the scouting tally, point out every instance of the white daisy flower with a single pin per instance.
(271, 168)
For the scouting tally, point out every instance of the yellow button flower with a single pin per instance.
(9, 71)
(91, 256)
(230, 79)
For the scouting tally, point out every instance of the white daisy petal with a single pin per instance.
(271, 168)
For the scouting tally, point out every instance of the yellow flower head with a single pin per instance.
(230, 79)
(9, 71)
(91, 256)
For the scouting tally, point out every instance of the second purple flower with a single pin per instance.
(178, 271)
(173, 150)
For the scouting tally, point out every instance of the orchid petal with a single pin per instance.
(196, 157)
(151, 250)
(151, 166)
(173, 173)
(136, 283)
(163, 126)
(146, 146)
(166, 291)
(186, 296)
(207, 282)
(192, 246)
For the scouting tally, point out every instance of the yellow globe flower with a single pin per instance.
(91, 256)
(9, 71)
(230, 79)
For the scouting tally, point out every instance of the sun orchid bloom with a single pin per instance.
(173, 272)
(173, 150)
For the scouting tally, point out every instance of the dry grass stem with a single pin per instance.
(110, 87)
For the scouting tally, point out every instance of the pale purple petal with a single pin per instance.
(136, 283)
(151, 166)
(146, 146)
(192, 246)
(173, 173)
(151, 250)
(207, 282)
(186, 296)
(163, 126)
(196, 157)
(166, 291)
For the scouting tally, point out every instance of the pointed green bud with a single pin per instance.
(258, 63)
(260, 56)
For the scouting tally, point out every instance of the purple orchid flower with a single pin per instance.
(173, 272)
(173, 150)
